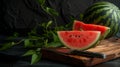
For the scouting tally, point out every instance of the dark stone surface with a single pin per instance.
(49, 63)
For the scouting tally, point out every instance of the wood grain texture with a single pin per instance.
(109, 47)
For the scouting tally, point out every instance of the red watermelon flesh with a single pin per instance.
(79, 40)
(78, 25)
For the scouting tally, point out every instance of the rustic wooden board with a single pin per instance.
(110, 47)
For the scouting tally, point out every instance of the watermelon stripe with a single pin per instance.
(115, 16)
(109, 19)
(102, 15)
(91, 9)
(87, 13)
(106, 3)
(116, 25)
(116, 29)
(113, 25)
(104, 21)
(102, 4)
(95, 12)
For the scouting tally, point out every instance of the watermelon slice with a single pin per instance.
(79, 40)
(78, 25)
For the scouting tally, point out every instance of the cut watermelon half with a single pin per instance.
(78, 25)
(79, 40)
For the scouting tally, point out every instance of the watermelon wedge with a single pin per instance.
(78, 25)
(79, 40)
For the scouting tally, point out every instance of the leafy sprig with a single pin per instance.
(34, 41)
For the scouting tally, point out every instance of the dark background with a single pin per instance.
(22, 15)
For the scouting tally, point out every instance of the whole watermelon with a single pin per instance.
(103, 13)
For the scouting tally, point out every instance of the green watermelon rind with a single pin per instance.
(105, 34)
(93, 44)
(103, 13)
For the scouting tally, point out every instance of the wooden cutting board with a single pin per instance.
(110, 47)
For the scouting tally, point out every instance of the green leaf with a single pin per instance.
(81, 16)
(46, 42)
(41, 2)
(51, 11)
(7, 45)
(27, 43)
(59, 28)
(55, 37)
(15, 35)
(39, 44)
(35, 58)
(31, 37)
(38, 49)
(48, 24)
(43, 25)
(55, 44)
(33, 31)
(29, 52)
